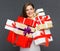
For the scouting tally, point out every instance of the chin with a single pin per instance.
(30, 15)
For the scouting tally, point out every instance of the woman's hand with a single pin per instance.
(29, 35)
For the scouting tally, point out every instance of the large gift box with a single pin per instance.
(43, 22)
(42, 37)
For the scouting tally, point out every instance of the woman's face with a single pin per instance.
(30, 11)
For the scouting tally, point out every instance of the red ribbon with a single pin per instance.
(13, 25)
(46, 36)
(46, 18)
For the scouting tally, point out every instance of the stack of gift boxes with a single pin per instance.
(20, 34)
(42, 36)
(24, 31)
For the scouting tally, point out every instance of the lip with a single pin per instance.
(30, 13)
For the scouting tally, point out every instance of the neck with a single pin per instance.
(30, 17)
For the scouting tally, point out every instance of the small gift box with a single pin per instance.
(42, 37)
(43, 22)
(18, 28)
(40, 12)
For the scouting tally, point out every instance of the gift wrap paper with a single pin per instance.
(40, 37)
(17, 27)
(19, 40)
(44, 22)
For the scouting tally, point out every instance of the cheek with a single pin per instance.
(27, 12)
(33, 11)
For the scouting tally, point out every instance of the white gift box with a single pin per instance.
(40, 12)
(45, 22)
(17, 27)
(38, 39)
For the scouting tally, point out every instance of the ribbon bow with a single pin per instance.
(42, 20)
(13, 25)
(26, 30)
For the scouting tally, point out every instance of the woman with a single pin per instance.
(28, 12)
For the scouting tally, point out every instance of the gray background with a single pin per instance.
(10, 9)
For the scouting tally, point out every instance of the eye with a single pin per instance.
(31, 8)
